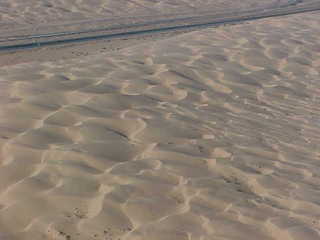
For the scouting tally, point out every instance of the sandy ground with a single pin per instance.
(19, 13)
(212, 135)
(67, 51)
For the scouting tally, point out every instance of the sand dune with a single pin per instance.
(210, 135)
(20, 13)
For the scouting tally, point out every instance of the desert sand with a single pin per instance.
(21, 13)
(211, 135)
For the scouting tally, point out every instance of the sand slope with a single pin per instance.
(20, 13)
(210, 135)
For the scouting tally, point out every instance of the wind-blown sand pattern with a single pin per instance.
(211, 135)
(19, 13)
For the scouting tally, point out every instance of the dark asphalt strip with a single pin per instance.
(167, 21)
(44, 43)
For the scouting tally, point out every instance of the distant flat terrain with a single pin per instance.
(71, 38)
(21, 13)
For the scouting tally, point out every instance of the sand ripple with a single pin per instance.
(20, 13)
(211, 135)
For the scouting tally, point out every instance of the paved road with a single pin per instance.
(18, 42)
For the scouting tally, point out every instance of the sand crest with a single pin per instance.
(17, 14)
(210, 135)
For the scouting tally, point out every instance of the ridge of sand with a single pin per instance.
(210, 135)
(31, 13)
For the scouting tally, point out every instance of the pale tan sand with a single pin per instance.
(213, 135)
(21, 13)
